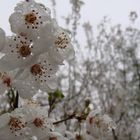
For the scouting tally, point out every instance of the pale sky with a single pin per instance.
(92, 11)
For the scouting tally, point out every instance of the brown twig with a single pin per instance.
(73, 116)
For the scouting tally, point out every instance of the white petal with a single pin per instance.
(16, 22)
(6, 65)
(25, 89)
(69, 53)
(52, 82)
(2, 39)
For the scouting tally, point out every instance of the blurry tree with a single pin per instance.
(106, 74)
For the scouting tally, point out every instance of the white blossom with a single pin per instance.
(42, 74)
(7, 82)
(28, 18)
(19, 51)
(25, 123)
(58, 44)
(98, 124)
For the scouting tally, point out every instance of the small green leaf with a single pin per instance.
(58, 94)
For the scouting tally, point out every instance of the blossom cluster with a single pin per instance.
(28, 123)
(29, 62)
(34, 51)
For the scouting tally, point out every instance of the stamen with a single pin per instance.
(16, 124)
(36, 69)
(96, 121)
(25, 51)
(30, 18)
(53, 138)
(61, 41)
(38, 122)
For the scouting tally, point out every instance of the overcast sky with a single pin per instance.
(92, 11)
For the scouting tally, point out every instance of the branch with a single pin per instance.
(68, 118)
(73, 116)
(114, 135)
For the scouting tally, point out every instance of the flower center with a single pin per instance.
(24, 51)
(36, 69)
(90, 120)
(38, 122)
(30, 18)
(53, 138)
(15, 124)
(62, 41)
(95, 120)
(6, 80)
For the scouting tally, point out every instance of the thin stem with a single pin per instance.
(63, 120)
(114, 135)
(73, 116)
(15, 105)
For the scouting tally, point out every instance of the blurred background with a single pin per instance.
(106, 69)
